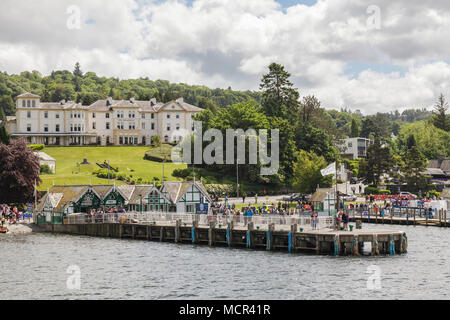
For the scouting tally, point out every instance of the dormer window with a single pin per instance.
(24, 104)
(34, 104)
(28, 104)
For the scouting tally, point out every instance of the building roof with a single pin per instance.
(438, 167)
(321, 194)
(27, 95)
(176, 189)
(10, 118)
(445, 194)
(66, 194)
(43, 156)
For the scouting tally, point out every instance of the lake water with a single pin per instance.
(35, 267)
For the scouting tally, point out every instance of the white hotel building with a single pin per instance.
(105, 122)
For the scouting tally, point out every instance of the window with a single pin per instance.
(34, 103)
(178, 116)
(71, 128)
(168, 116)
(57, 128)
(46, 114)
(79, 128)
(107, 126)
(143, 125)
(46, 128)
(178, 126)
(23, 103)
(131, 126)
(350, 144)
(93, 125)
(28, 103)
(28, 114)
(107, 140)
(93, 115)
(143, 116)
(168, 127)
(153, 126)
(28, 127)
(120, 140)
(120, 125)
(136, 140)
(153, 116)
(107, 115)
(57, 115)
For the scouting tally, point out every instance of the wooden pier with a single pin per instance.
(320, 242)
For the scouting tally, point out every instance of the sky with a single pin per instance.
(373, 56)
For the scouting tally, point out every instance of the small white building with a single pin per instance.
(185, 196)
(354, 148)
(46, 159)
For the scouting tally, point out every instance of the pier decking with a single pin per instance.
(272, 237)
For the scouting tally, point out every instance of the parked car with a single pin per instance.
(349, 198)
(407, 195)
(293, 197)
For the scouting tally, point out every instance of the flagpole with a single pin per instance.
(336, 192)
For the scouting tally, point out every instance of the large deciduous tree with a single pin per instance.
(19, 170)
(307, 175)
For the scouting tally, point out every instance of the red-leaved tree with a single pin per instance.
(19, 169)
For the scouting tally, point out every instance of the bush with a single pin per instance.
(37, 147)
(371, 190)
(182, 173)
(45, 169)
(384, 192)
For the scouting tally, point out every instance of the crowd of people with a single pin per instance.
(12, 215)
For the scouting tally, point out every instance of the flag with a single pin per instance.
(331, 169)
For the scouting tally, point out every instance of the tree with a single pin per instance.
(7, 104)
(310, 138)
(355, 129)
(414, 164)
(279, 98)
(378, 163)
(307, 175)
(19, 170)
(4, 136)
(440, 118)
(77, 71)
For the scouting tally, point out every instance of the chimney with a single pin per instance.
(62, 102)
(132, 100)
(180, 100)
(109, 101)
(153, 102)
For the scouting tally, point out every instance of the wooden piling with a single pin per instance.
(162, 233)
(249, 235)
(292, 237)
(194, 233)
(230, 233)
(133, 232)
(211, 234)
(269, 237)
(355, 248)
(177, 230)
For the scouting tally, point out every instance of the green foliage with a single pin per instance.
(354, 129)
(45, 169)
(432, 194)
(36, 147)
(379, 162)
(371, 190)
(313, 139)
(441, 119)
(156, 140)
(414, 163)
(279, 98)
(307, 175)
(4, 136)
(431, 141)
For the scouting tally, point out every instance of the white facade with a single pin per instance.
(105, 122)
(354, 148)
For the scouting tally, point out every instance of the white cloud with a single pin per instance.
(223, 43)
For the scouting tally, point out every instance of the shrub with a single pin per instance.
(37, 147)
(371, 190)
(384, 192)
(45, 169)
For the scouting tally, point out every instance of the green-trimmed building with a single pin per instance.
(185, 195)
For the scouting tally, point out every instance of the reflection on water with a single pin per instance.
(35, 267)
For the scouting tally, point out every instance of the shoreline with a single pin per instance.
(22, 227)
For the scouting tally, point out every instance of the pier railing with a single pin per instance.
(187, 219)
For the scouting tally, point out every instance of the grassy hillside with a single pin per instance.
(129, 160)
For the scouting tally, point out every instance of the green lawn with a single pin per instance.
(124, 158)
